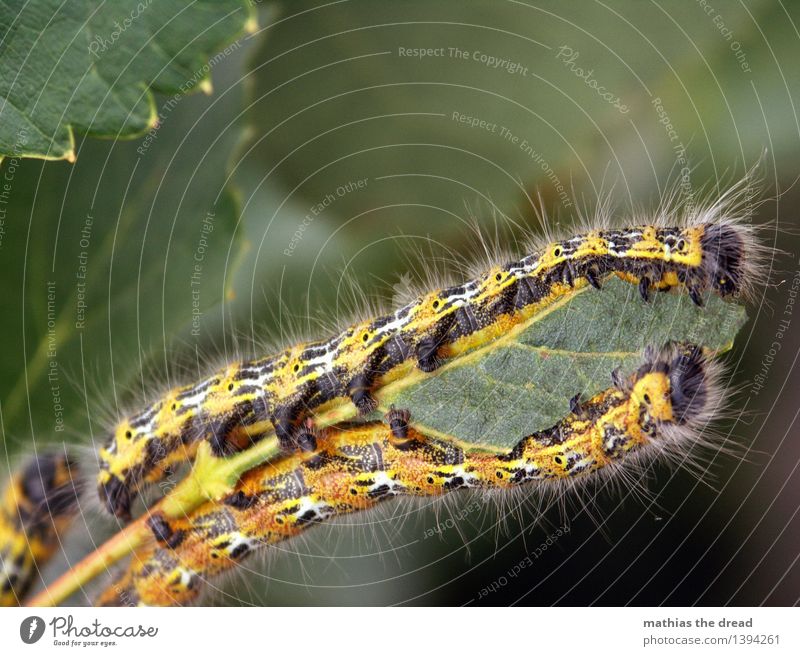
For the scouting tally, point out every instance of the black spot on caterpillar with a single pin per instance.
(162, 531)
(712, 252)
(664, 405)
(38, 505)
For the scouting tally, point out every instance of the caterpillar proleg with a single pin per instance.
(665, 403)
(38, 505)
(712, 250)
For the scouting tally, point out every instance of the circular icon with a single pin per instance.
(31, 630)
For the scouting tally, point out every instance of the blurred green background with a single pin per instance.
(339, 137)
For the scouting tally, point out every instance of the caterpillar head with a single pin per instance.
(139, 448)
(725, 257)
(676, 385)
(652, 392)
(130, 453)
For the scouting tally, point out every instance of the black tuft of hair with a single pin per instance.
(724, 257)
(117, 497)
(687, 376)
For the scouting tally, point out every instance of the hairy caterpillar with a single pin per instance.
(668, 401)
(713, 252)
(38, 506)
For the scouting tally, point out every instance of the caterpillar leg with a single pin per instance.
(430, 349)
(618, 380)
(575, 404)
(427, 354)
(228, 433)
(568, 275)
(284, 420)
(306, 437)
(644, 288)
(163, 532)
(218, 435)
(294, 438)
(593, 278)
(399, 429)
(240, 500)
(360, 392)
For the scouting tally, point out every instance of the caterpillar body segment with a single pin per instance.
(357, 466)
(37, 507)
(248, 399)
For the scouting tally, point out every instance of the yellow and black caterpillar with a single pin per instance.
(668, 401)
(246, 399)
(38, 505)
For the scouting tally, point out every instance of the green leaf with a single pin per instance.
(512, 387)
(89, 66)
(118, 238)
